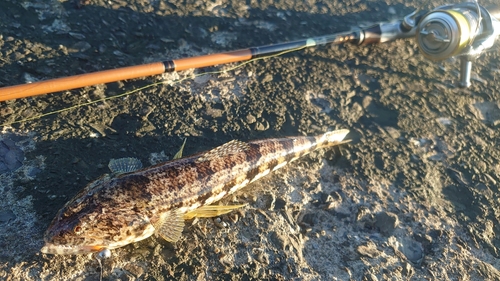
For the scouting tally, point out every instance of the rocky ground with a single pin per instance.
(412, 197)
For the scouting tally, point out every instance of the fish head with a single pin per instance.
(70, 236)
(90, 223)
(93, 232)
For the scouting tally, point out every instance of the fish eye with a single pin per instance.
(77, 229)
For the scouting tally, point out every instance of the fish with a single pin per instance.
(134, 203)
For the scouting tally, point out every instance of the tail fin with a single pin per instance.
(333, 138)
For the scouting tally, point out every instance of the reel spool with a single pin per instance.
(446, 33)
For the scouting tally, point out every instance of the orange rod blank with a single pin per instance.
(82, 80)
(106, 76)
(209, 60)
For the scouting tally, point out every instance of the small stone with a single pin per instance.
(362, 214)
(413, 251)
(118, 53)
(28, 78)
(6, 216)
(126, 277)
(220, 223)
(262, 257)
(368, 250)
(11, 156)
(251, 119)
(326, 198)
(444, 121)
(367, 100)
(488, 271)
(269, 200)
(182, 43)
(6, 111)
(3, 168)
(102, 48)
(134, 269)
(81, 46)
(262, 126)
(203, 79)
(32, 171)
(310, 219)
(78, 36)
(393, 132)
(279, 204)
(267, 78)
(408, 270)
(278, 240)
(370, 277)
(166, 40)
(386, 222)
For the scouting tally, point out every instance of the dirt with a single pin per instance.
(412, 197)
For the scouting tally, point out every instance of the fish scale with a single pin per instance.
(116, 210)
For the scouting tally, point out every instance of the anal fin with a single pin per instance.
(170, 226)
(211, 211)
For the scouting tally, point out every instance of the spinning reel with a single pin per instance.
(465, 30)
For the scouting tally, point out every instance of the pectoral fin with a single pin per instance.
(170, 226)
(211, 211)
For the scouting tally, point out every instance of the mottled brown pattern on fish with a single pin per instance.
(114, 211)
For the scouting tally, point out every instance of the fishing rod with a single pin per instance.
(465, 30)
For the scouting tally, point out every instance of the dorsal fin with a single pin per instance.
(232, 147)
(124, 165)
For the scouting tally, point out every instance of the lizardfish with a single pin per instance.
(131, 205)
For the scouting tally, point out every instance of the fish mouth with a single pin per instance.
(54, 249)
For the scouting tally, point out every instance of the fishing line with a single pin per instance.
(104, 254)
(148, 86)
(175, 82)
